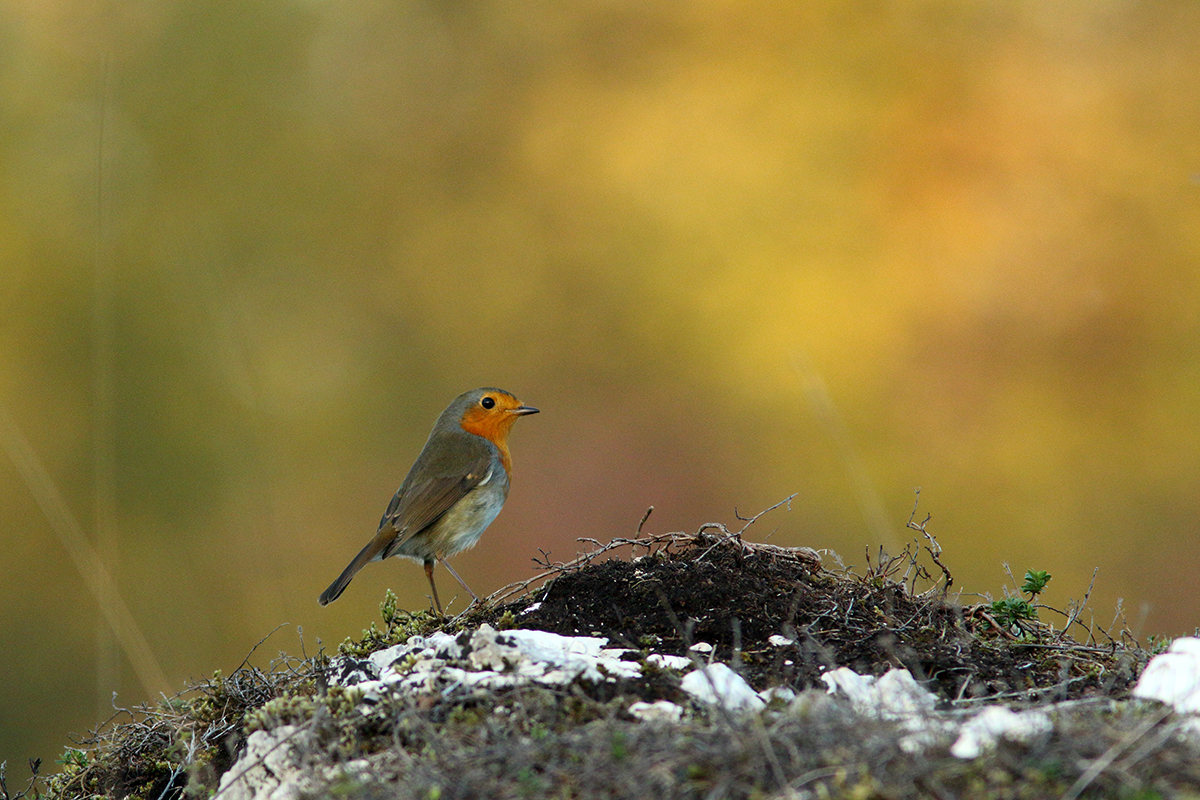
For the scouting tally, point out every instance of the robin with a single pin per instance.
(454, 490)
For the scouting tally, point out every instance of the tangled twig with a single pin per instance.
(656, 543)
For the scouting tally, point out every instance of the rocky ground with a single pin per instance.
(676, 665)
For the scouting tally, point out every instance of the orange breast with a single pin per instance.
(494, 426)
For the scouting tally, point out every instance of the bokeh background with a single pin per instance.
(734, 250)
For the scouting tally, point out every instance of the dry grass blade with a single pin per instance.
(91, 567)
(1098, 766)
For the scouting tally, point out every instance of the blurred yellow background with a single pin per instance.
(732, 250)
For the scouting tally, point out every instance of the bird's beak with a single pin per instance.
(523, 410)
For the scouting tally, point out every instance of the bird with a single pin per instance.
(454, 490)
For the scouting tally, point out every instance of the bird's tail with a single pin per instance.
(365, 555)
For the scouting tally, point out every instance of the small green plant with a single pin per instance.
(1011, 612)
(387, 609)
(398, 626)
(1035, 582)
(74, 759)
(1157, 643)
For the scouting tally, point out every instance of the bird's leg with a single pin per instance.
(461, 582)
(429, 574)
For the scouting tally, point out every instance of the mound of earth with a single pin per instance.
(445, 708)
(782, 619)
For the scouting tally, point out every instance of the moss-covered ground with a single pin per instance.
(664, 594)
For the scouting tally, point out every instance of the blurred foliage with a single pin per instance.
(248, 252)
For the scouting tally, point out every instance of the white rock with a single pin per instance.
(548, 657)
(717, 683)
(269, 767)
(894, 695)
(383, 659)
(982, 731)
(900, 693)
(1173, 677)
(669, 662)
(847, 682)
(658, 711)
(550, 648)
(775, 640)
(436, 645)
(701, 647)
(492, 659)
(784, 693)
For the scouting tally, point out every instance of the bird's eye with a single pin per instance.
(487, 402)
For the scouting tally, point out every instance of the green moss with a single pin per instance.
(399, 627)
(288, 709)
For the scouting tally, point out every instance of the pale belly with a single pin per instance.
(458, 529)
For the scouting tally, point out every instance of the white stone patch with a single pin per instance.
(437, 646)
(658, 711)
(775, 640)
(486, 659)
(548, 657)
(982, 731)
(269, 767)
(718, 684)
(1173, 677)
(701, 647)
(668, 662)
(784, 694)
(894, 695)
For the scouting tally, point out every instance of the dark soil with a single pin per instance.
(735, 596)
